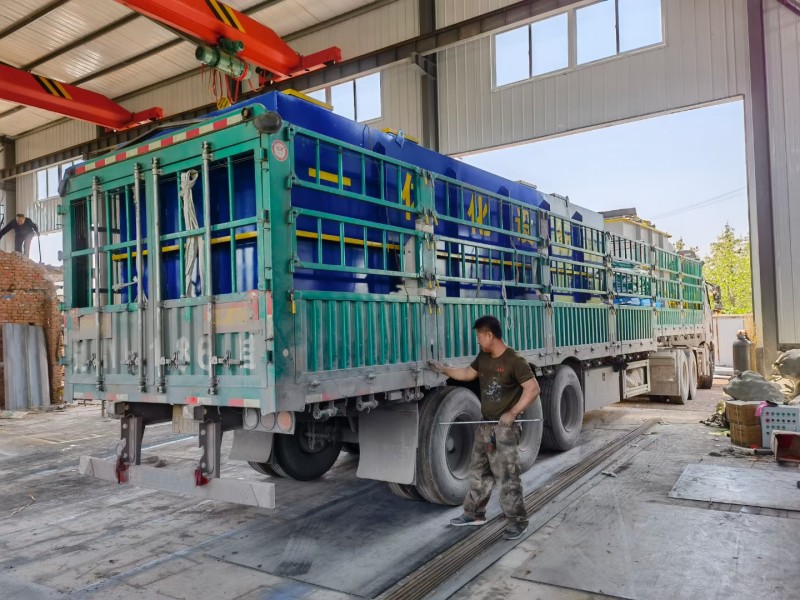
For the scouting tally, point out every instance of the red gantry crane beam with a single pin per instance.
(212, 21)
(69, 100)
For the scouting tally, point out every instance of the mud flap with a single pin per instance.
(387, 438)
(252, 446)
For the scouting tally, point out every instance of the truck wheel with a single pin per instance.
(562, 405)
(531, 439)
(704, 382)
(444, 451)
(405, 491)
(691, 360)
(682, 369)
(294, 457)
(264, 468)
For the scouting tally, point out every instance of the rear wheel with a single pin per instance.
(692, 362)
(264, 468)
(306, 454)
(531, 438)
(562, 405)
(444, 451)
(682, 369)
(704, 382)
(405, 491)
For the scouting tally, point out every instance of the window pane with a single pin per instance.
(343, 100)
(41, 184)
(597, 37)
(368, 97)
(639, 23)
(550, 46)
(318, 95)
(52, 181)
(512, 56)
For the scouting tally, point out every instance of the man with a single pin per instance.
(507, 388)
(23, 233)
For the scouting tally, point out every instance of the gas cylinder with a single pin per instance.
(741, 352)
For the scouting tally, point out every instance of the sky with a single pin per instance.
(686, 171)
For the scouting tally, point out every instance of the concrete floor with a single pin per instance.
(645, 475)
(83, 538)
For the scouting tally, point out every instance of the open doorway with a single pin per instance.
(685, 172)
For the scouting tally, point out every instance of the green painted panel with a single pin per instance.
(580, 324)
(523, 324)
(669, 317)
(338, 332)
(634, 323)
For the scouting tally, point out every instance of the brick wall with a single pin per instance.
(27, 296)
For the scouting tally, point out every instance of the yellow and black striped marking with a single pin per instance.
(51, 86)
(225, 14)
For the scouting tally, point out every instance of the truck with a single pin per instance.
(284, 275)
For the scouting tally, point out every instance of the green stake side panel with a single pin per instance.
(277, 346)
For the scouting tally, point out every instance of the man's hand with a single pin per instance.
(436, 366)
(457, 373)
(507, 419)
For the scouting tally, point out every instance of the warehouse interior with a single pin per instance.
(84, 80)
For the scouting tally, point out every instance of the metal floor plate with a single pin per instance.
(652, 551)
(748, 487)
(343, 546)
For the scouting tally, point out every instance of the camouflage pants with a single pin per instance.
(495, 463)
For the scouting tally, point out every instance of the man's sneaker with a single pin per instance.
(464, 520)
(514, 531)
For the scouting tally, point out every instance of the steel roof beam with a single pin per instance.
(211, 21)
(103, 31)
(34, 90)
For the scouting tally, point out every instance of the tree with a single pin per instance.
(728, 266)
(681, 245)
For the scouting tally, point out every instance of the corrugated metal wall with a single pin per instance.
(705, 59)
(176, 97)
(454, 11)
(782, 37)
(57, 137)
(401, 93)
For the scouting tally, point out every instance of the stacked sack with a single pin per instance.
(782, 387)
(786, 373)
(752, 386)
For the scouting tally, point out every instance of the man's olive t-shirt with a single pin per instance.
(500, 381)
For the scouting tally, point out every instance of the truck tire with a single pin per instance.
(562, 406)
(691, 360)
(531, 439)
(682, 369)
(294, 458)
(405, 491)
(444, 452)
(264, 468)
(704, 382)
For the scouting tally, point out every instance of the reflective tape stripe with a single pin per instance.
(159, 144)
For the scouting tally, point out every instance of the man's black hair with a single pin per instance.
(491, 323)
